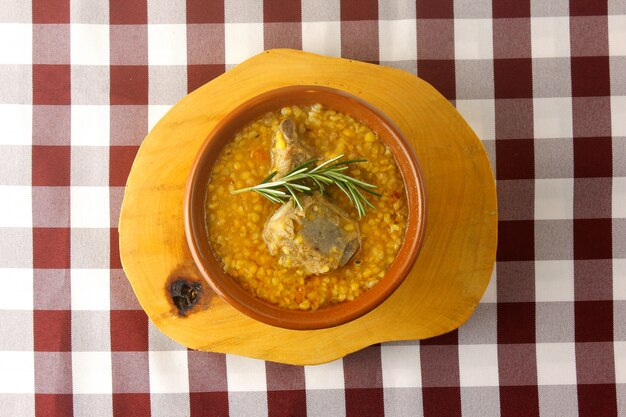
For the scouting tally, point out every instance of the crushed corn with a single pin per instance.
(236, 222)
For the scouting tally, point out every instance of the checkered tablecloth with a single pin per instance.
(543, 83)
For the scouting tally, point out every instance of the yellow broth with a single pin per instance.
(235, 222)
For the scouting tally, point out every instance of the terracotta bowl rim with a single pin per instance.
(209, 266)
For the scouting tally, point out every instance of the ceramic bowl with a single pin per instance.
(196, 196)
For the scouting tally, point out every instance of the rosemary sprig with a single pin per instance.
(308, 177)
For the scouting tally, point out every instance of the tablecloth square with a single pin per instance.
(51, 248)
(89, 44)
(89, 168)
(170, 405)
(204, 46)
(169, 372)
(597, 399)
(167, 44)
(551, 77)
(130, 372)
(515, 199)
(435, 10)
(554, 198)
(51, 289)
(555, 321)
(53, 11)
(593, 279)
(516, 322)
(116, 262)
(131, 404)
(209, 404)
(16, 245)
(8, 278)
(549, 162)
(592, 239)
(589, 35)
(53, 372)
(435, 47)
(355, 40)
(515, 159)
(514, 118)
(591, 195)
(129, 330)
(482, 115)
(91, 84)
(129, 125)
(166, 12)
(243, 11)
(440, 367)
(51, 84)
(473, 39)
(128, 44)
(439, 73)
(478, 365)
(129, 84)
(553, 239)
(592, 157)
(521, 70)
(556, 363)
(359, 10)
(584, 8)
(207, 372)
(516, 40)
(52, 330)
(52, 405)
(480, 401)
(519, 400)
(441, 401)
(558, 400)
(128, 12)
(282, 35)
(120, 161)
(16, 327)
(594, 321)
(590, 76)
(19, 212)
(167, 84)
(592, 116)
(595, 363)
(90, 248)
(91, 330)
(198, 75)
(617, 34)
(401, 367)
(51, 43)
(277, 11)
(199, 11)
(122, 295)
(51, 125)
(474, 80)
(511, 8)
(517, 366)
(471, 9)
(16, 90)
(480, 328)
(516, 282)
(516, 242)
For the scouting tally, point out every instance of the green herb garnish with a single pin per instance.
(308, 177)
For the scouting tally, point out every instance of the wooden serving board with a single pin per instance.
(451, 272)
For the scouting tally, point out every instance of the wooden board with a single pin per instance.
(443, 288)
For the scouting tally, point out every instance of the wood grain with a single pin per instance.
(444, 286)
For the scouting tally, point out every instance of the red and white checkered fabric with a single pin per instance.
(543, 83)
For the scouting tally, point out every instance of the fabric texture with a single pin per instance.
(543, 84)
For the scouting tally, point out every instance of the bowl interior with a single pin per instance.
(196, 195)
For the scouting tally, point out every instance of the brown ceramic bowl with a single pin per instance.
(196, 196)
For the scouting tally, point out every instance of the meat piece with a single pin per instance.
(288, 151)
(317, 238)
